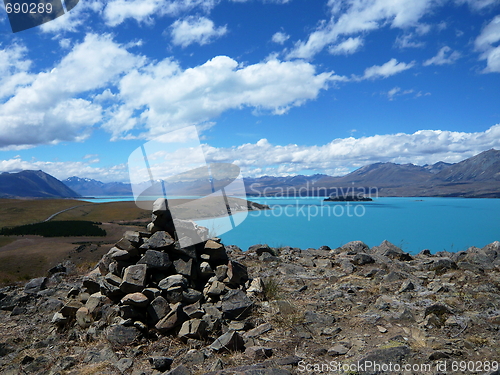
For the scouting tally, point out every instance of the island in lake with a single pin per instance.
(348, 198)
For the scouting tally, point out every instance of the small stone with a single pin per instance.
(161, 363)
(183, 267)
(205, 269)
(173, 319)
(194, 328)
(173, 281)
(70, 309)
(236, 273)
(134, 278)
(338, 350)
(35, 285)
(258, 353)
(236, 305)
(155, 260)
(194, 310)
(216, 289)
(124, 364)
(83, 317)
(179, 370)
(191, 296)
(160, 240)
(361, 259)
(158, 309)
(135, 299)
(229, 341)
(122, 335)
(382, 329)
(406, 286)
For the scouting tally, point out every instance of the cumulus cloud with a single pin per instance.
(346, 154)
(63, 170)
(117, 11)
(280, 37)
(486, 43)
(193, 29)
(408, 41)
(388, 69)
(73, 20)
(52, 106)
(165, 97)
(445, 56)
(346, 47)
(349, 17)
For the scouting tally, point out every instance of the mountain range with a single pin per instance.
(478, 176)
(37, 184)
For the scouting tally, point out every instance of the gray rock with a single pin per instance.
(194, 328)
(134, 278)
(221, 272)
(121, 335)
(124, 364)
(183, 267)
(83, 317)
(437, 309)
(194, 310)
(406, 286)
(391, 251)
(229, 341)
(160, 240)
(135, 299)
(193, 357)
(361, 259)
(442, 264)
(179, 370)
(216, 251)
(117, 254)
(396, 354)
(237, 273)
(206, 269)
(35, 285)
(155, 260)
(157, 310)
(258, 353)
(215, 289)
(355, 247)
(191, 296)
(236, 305)
(160, 363)
(337, 350)
(259, 330)
(173, 319)
(173, 281)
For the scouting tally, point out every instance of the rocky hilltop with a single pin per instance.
(153, 307)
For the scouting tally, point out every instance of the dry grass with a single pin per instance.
(20, 211)
(106, 212)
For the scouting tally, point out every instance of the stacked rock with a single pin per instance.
(148, 282)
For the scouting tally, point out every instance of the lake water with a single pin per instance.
(414, 224)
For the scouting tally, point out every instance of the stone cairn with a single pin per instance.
(147, 284)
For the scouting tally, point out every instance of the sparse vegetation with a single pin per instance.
(271, 289)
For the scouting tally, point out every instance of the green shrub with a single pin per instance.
(56, 229)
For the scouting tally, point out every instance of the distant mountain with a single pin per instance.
(482, 167)
(35, 184)
(478, 176)
(386, 174)
(88, 187)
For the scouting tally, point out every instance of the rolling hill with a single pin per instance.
(33, 184)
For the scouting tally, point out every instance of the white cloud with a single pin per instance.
(346, 47)
(192, 29)
(388, 69)
(73, 20)
(117, 11)
(396, 91)
(347, 154)
(407, 41)
(478, 4)
(14, 68)
(443, 57)
(485, 43)
(356, 16)
(52, 107)
(63, 170)
(166, 97)
(280, 37)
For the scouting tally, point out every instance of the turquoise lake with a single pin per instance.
(414, 224)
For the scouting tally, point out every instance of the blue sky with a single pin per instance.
(279, 87)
